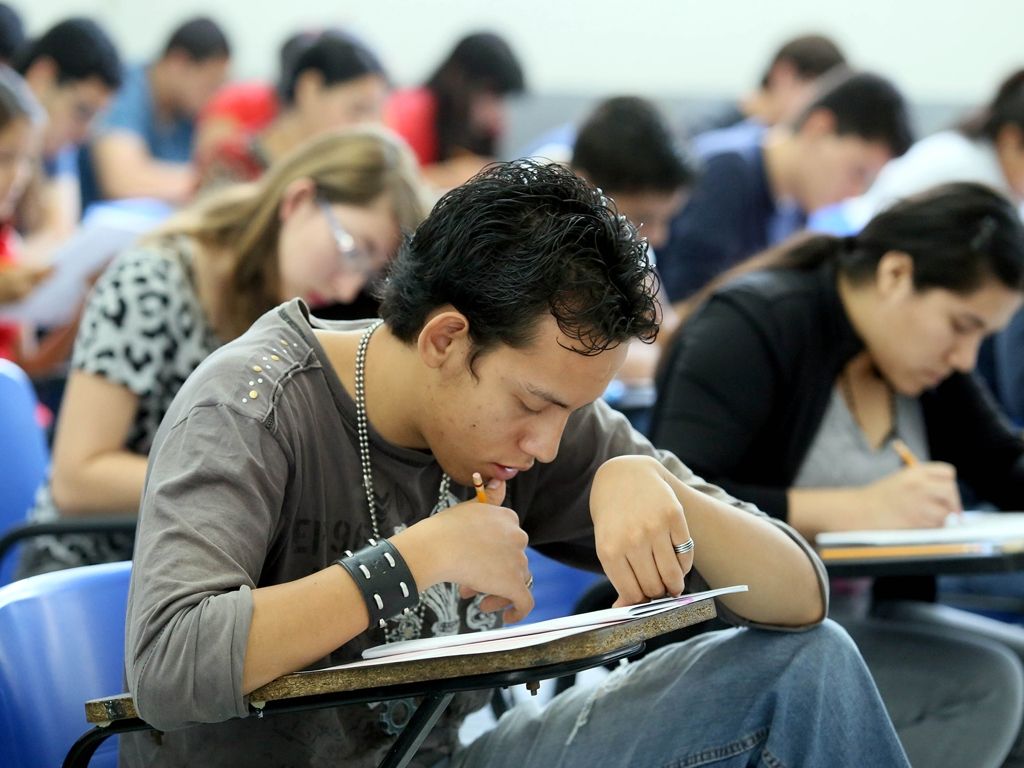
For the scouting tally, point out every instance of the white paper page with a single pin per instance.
(546, 629)
(969, 527)
(56, 299)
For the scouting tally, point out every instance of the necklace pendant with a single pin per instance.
(406, 626)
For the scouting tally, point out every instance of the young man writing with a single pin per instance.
(757, 187)
(504, 319)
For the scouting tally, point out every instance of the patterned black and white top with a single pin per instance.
(144, 329)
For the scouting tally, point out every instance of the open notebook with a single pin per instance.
(526, 635)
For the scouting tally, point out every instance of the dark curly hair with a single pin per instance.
(516, 242)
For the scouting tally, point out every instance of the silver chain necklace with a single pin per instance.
(394, 713)
(363, 433)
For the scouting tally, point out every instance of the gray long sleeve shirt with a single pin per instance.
(254, 479)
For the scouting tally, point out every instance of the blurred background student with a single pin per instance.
(987, 147)
(22, 123)
(73, 69)
(455, 121)
(321, 223)
(12, 33)
(788, 85)
(142, 144)
(757, 188)
(625, 148)
(328, 80)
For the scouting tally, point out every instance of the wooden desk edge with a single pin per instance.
(856, 553)
(592, 643)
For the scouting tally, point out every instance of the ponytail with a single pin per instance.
(1006, 108)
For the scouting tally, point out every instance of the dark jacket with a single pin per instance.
(745, 386)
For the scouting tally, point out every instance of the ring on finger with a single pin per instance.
(686, 546)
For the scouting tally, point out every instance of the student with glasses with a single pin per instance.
(357, 260)
(319, 225)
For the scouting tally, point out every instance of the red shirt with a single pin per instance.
(412, 114)
(10, 333)
(251, 105)
(249, 108)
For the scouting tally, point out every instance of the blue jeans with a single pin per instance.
(737, 697)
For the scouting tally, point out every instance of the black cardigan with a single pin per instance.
(746, 384)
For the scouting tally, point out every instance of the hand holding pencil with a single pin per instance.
(482, 573)
(921, 495)
(481, 496)
(910, 460)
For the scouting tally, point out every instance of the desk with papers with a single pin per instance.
(525, 654)
(974, 542)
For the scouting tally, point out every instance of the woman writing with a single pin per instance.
(791, 383)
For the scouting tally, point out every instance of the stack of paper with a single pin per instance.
(526, 635)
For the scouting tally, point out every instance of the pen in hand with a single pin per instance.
(478, 484)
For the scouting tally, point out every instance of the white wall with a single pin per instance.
(937, 50)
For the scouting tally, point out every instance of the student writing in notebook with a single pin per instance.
(790, 385)
(305, 450)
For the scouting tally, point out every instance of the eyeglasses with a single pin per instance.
(354, 257)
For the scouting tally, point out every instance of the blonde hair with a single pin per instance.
(355, 166)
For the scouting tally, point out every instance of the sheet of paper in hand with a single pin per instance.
(106, 230)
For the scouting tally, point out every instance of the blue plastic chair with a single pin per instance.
(839, 219)
(61, 643)
(556, 587)
(24, 451)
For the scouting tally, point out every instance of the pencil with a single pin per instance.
(910, 460)
(906, 455)
(481, 494)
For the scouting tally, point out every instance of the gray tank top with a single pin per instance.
(840, 455)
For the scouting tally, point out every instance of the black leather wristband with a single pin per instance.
(383, 578)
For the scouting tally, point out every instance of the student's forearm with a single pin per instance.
(38, 247)
(173, 182)
(735, 547)
(53, 351)
(61, 210)
(109, 484)
(296, 623)
(814, 511)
